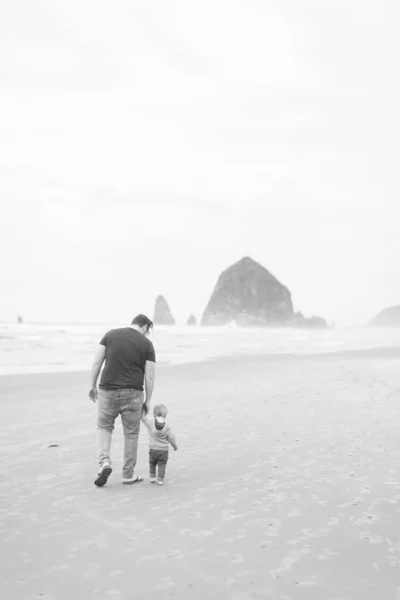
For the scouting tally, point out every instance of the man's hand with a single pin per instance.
(175, 448)
(146, 407)
(93, 394)
(96, 368)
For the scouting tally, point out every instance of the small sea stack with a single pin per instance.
(162, 312)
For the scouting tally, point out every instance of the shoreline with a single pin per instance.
(387, 353)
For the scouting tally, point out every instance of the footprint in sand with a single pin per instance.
(264, 544)
(273, 525)
(228, 515)
(367, 519)
(394, 561)
(165, 584)
(307, 583)
(371, 538)
(326, 554)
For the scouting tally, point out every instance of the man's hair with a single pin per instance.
(160, 410)
(142, 321)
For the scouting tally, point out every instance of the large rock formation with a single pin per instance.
(191, 320)
(162, 312)
(390, 317)
(246, 294)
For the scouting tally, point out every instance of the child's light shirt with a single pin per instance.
(159, 438)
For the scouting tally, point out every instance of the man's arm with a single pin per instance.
(96, 368)
(149, 375)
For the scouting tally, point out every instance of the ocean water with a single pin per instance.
(41, 348)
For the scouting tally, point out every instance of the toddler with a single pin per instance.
(160, 436)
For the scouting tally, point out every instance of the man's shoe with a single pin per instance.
(130, 480)
(153, 479)
(103, 475)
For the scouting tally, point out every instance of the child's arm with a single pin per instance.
(172, 440)
(145, 419)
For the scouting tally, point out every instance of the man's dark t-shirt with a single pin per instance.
(127, 351)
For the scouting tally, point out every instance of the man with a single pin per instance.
(129, 363)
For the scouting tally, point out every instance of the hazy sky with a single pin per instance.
(146, 146)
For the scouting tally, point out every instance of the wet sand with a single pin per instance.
(285, 486)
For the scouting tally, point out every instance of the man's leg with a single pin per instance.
(131, 412)
(107, 411)
(162, 465)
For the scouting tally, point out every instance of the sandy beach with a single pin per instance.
(285, 486)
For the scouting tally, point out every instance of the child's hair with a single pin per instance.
(160, 410)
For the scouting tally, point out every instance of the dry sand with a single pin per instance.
(285, 486)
